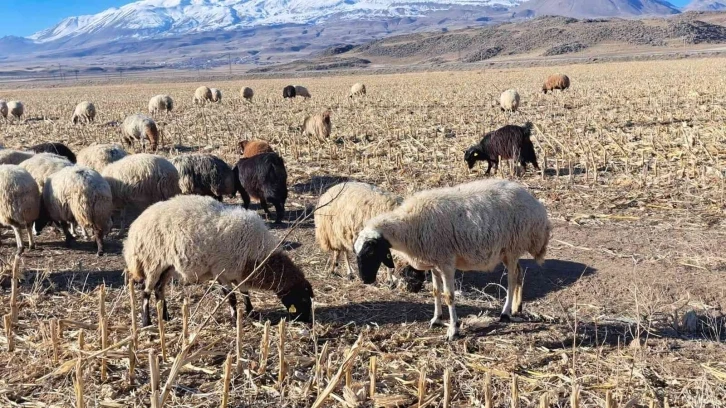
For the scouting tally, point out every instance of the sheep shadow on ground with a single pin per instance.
(390, 312)
(318, 184)
(77, 280)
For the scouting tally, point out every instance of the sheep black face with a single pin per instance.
(472, 155)
(298, 302)
(413, 278)
(372, 250)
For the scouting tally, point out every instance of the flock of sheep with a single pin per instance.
(472, 226)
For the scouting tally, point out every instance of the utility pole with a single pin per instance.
(229, 58)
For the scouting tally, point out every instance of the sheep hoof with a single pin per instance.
(505, 318)
(436, 321)
(99, 253)
(451, 335)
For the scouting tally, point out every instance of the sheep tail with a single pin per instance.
(539, 255)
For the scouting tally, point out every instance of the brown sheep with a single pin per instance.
(249, 148)
(557, 81)
(317, 125)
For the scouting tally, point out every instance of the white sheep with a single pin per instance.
(198, 239)
(472, 226)
(302, 92)
(77, 195)
(42, 165)
(97, 157)
(19, 202)
(10, 156)
(140, 127)
(247, 93)
(84, 111)
(3, 109)
(202, 95)
(358, 89)
(509, 100)
(216, 95)
(160, 103)
(16, 109)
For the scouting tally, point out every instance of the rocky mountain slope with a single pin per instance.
(706, 5)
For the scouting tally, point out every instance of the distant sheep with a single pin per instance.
(216, 95)
(317, 125)
(19, 202)
(264, 178)
(557, 81)
(10, 156)
(197, 239)
(472, 226)
(249, 148)
(16, 109)
(77, 195)
(56, 148)
(160, 103)
(508, 142)
(509, 101)
(204, 174)
(357, 89)
(97, 157)
(3, 109)
(202, 95)
(288, 92)
(42, 165)
(140, 127)
(247, 93)
(84, 111)
(302, 92)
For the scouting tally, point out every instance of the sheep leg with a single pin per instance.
(265, 207)
(333, 261)
(517, 304)
(98, 234)
(31, 236)
(447, 276)
(279, 212)
(245, 198)
(232, 299)
(351, 274)
(67, 233)
(159, 291)
(512, 272)
(18, 241)
(248, 302)
(438, 313)
(489, 167)
(145, 314)
(122, 227)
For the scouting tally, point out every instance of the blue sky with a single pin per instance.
(25, 17)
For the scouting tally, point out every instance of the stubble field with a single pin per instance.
(631, 299)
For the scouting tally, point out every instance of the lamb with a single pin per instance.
(140, 127)
(56, 148)
(16, 109)
(216, 95)
(302, 92)
(199, 239)
(10, 156)
(204, 174)
(357, 89)
(202, 95)
(84, 111)
(317, 125)
(19, 202)
(249, 148)
(264, 178)
(508, 142)
(509, 101)
(42, 165)
(472, 226)
(288, 92)
(247, 93)
(557, 81)
(3, 109)
(160, 103)
(77, 195)
(97, 157)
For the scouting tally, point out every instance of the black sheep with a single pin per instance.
(204, 174)
(56, 148)
(264, 178)
(288, 92)
(508, 142)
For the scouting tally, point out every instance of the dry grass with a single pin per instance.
(635, 156)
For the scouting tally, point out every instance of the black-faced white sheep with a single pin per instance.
(302, 92)
(77, 195)
(42, 165)
(509, 100)
(288, 92)
(140, 127)
(357, 89)
(202, 95)
(204, 174)
(216, 95)
(16, 109)
(10, 156)
(247, 93)
(249, 148)
(198, 239)
(317, 125)
(508, 142)
(19, 202)
(56, 148)
(160, 103)
(264, 178)
(97, 157)
(3, 109)
(556, 81)
(84, 111)
(472, 226)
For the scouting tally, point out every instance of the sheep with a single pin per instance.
(317, 125)
(160, 103)
(288, 92)
(84, 111)
(249, 148)
(302, 92)
(16, 109)
(19, 202)
(472, 226)
(140, 127)
(198, 239)
(3, 109)
(56, 148)
(216, 95)
(42, 165)
(77, 195)
(508, 142)
(509, 101)
(97, 157)
(10, 156)
(247, 93)
(204, 174)
(357, 89)
(202, 95)
(264, 178)
(557, 81)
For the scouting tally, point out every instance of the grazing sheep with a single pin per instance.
(84, 111)
(508, 142)
(557, 81)
(19, 202)
(42, 165)
(160, 103)
(302, 92)
(56, 148)
(247, 93)
(249, 148)
(472, 226)
(216, 95)
(204, 174)
(10, 156)
(317, 125)
(140, 127)
(97, 157)
(3, 109)
(357, 89)
(509, 101)
(288, 92)
(16, 109)
(77, 195)
(264, 178)
(202, 95)
(198, 239)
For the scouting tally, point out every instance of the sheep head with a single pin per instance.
(371, 250)
(298, 301)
